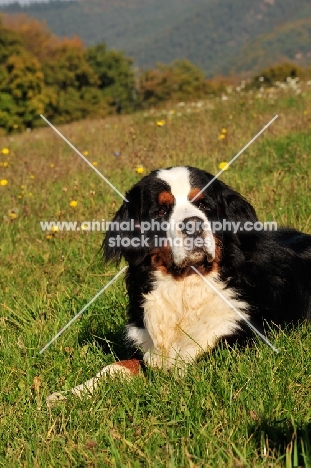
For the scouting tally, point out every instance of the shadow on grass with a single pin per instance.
(111, 342)
(285, 439)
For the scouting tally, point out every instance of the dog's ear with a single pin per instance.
(233, 207)
(123, 238)
(113, 251)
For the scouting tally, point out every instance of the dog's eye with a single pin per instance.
(201, 205)
(161, 212)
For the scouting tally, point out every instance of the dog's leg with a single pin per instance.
(128, 369)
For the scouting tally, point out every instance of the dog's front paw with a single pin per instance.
(158, 359)
(128, 368)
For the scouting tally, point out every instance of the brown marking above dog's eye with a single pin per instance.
(193, 192)
(166, 198)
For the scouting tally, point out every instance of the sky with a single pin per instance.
(22, 2)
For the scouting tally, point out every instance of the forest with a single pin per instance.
(220, 37)
(41, 73)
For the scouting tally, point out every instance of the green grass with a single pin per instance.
(235, 407)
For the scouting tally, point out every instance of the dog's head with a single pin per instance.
(169, 221)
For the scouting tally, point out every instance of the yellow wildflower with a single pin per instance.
(54, 228)
(94, 163)
(161, 123)
(32, 176)
(224, 131)
(223, 166)
(222, 136)
(49, 236)
(140, 170)
(73, 203)
(5, 164)
(3, 182)
(5, 151)
(86, 153)
(12, 214)
(52, 165)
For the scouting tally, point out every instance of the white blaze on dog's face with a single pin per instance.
(189, 232)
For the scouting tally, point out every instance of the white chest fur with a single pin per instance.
(183, 318)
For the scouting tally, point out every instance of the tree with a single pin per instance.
(22, 89)
(280, 72)
(10, 43)
(179, 80)
(36, 37)
(72, 84)
(115, 74)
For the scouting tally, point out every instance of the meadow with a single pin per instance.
(246, 407)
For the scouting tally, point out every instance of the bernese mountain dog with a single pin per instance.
(166, 233)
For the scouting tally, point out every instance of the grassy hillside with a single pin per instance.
(241, 407)
(207, 32)
(291, 40)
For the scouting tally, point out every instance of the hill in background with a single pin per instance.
(220, 37)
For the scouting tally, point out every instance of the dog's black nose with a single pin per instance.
(192, 226)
